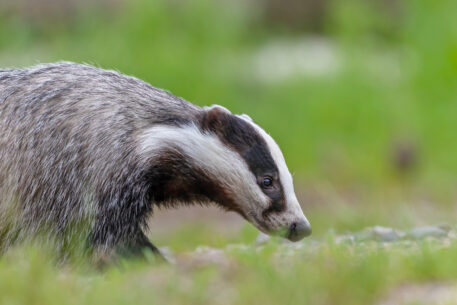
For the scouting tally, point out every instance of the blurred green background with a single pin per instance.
(361, 95)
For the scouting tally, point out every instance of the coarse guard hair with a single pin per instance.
(88, 153)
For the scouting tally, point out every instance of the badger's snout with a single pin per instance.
(299, 230)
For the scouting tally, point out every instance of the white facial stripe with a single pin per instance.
(293, 209)
(207, 152)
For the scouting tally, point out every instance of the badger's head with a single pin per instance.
(231, 161)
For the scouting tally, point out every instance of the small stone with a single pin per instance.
(386, 234)
(378, 233)
(168, 255)
(429, 231)
(262, 239)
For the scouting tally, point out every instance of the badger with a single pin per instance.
(86, 154)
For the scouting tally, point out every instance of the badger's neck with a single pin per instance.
(190, 165)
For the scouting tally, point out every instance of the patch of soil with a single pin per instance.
(422, 294)
(170, 220)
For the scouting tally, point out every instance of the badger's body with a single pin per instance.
(90, 152)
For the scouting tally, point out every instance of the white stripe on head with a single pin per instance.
(208, 153)
(293, 212)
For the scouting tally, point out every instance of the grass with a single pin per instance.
(341, 132)
(329, 273)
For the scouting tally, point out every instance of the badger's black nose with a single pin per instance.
(299, 230)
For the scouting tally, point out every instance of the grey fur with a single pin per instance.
(72, 165)
(67, 138)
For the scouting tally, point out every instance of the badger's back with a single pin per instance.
(68, 138)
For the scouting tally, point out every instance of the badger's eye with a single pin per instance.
(267, 181)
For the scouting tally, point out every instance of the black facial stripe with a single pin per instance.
(277, 202)
(242, 137)
(259, 160)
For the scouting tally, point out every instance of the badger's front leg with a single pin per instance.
(107, 244)
(118, 230)
(138, 245)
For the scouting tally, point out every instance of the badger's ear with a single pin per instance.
(231, 129)
(217, 107)
(215, 118)
(246, 117)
